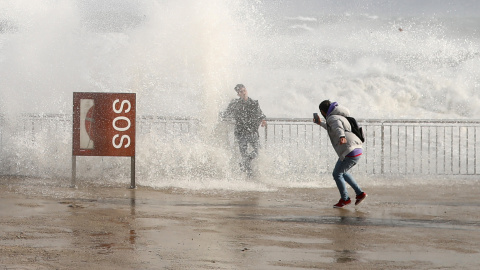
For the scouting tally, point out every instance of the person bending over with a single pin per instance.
(347, 146)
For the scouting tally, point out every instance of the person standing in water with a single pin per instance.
(248, 117)
(347, 146)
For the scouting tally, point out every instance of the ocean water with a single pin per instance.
(382, 59)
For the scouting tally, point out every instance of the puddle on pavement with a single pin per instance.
(298, 240)
(433, 256)
(24, 208)
(361, 221)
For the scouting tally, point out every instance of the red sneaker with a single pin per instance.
(342, 203)
(360, 198)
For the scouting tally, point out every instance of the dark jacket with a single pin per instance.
(247, 115)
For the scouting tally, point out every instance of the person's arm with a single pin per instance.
(337, 125)
(229, 111)
(321, 123)
(261, 116)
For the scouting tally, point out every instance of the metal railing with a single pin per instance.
(447, 147)
(401, 147)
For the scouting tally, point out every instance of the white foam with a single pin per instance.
(183, 59)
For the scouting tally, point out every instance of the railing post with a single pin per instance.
(132, 172)
(475, 150)
(266, 132)
(382, 170)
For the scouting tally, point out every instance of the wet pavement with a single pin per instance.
(118, 228)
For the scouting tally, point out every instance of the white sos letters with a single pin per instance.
(120, 119)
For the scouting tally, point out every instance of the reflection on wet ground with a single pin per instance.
(116, 228)
(361, 221)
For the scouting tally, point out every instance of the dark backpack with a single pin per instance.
(356, 129)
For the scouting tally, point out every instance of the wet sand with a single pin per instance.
(419, 227)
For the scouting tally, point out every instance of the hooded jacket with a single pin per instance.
(337, 126)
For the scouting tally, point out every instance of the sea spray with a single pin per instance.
(183, 60)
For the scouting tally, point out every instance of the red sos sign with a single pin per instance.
(104, 124)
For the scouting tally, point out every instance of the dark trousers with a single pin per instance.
(244, 140)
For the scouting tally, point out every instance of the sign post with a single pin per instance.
(104, 125)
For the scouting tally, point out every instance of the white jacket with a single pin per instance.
(338, 126)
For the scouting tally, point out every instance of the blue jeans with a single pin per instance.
(341, 175)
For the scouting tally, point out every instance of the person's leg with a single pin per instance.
(253, 141)
(351, 181)
(341, 176)
(339, 180)
(349, 178)
(243, 146)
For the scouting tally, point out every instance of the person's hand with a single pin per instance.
(343, 140)
(264, 123)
